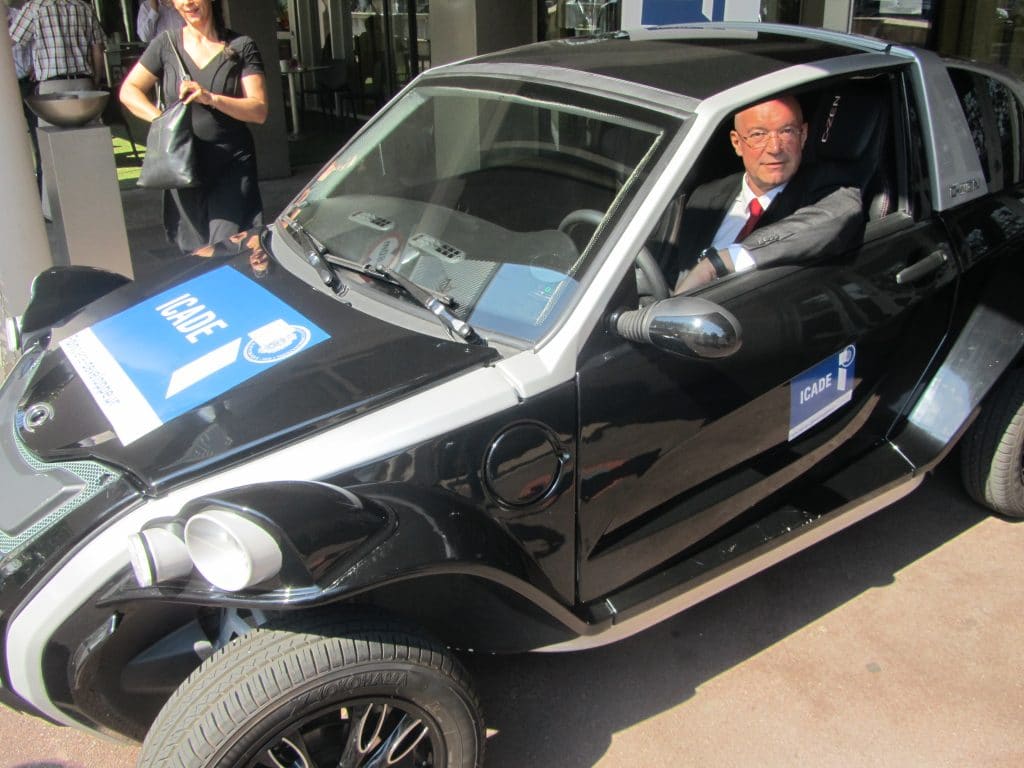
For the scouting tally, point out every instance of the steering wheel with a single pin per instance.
(645, 263)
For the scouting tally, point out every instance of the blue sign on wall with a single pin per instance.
(657, 12)
(184, 347)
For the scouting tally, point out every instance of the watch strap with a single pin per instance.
(712, 255)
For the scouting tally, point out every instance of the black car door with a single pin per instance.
(677, 455)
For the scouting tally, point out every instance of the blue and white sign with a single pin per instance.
(636, 13)
(184, 347)
(821, 390)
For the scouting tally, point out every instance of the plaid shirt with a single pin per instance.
(61, 33)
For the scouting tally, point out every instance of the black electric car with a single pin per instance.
(254, 511)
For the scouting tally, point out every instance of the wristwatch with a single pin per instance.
(711, 254)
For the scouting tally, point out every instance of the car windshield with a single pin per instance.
(487, 198)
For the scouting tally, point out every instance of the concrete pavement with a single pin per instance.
(895, 643)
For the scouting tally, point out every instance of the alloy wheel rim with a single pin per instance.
(378, 732)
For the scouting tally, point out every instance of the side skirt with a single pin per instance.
(638, 615)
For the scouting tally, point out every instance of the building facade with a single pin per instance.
(386, 43)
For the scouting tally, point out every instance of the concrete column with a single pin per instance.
(502, 24)
(340, 28)
(305, 31)
(258, 20)
(26, 250)
(833, 14)
(85, 200)
(463, 28)
(452, 30)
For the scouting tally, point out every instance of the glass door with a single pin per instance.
(389, 44)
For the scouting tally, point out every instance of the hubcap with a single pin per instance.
(365, 733)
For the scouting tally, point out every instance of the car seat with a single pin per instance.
(850, 130)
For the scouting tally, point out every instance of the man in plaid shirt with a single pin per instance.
(67, 43)
(67, 52)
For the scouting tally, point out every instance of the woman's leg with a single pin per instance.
(234, 202)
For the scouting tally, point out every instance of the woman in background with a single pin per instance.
(227, 90)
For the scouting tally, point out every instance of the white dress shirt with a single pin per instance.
(735, 218)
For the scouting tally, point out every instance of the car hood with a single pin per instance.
(198, 368)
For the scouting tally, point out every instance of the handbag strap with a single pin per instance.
(182, 69)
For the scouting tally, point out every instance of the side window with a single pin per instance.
(994, 116)
(1007, 113)
(970, 102)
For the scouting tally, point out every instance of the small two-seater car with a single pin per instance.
(254, 510)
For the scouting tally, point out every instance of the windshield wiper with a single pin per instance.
(316, 257)
(436, 304)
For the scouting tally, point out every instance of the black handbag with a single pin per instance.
(170, 161)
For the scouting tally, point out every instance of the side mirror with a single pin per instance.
(683, 325)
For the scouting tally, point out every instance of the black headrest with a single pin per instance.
(849, 121)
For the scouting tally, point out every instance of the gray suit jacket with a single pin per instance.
(813, 217)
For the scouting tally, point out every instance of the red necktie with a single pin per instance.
(755, 213)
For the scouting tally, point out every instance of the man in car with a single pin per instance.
(774, 211)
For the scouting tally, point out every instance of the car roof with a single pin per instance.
(696, 61)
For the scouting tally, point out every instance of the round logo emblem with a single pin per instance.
(279, 349)
(37, 415)
(847, 356)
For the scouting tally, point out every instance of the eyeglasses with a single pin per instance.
(758, 138)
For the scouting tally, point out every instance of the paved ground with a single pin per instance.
(896, 643)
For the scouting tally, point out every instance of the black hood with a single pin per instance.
(359, 363)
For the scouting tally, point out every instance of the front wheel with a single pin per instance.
(365, 693)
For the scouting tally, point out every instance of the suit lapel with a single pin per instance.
(788, 200)
(706, 210)
(702, 216)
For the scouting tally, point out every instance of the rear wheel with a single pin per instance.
(362, 694)
(992, 451)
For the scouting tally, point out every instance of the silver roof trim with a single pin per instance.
(750, 29)
(589, 82)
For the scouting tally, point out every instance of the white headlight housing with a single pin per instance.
(233, 552)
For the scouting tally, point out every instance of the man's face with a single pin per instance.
(770, 138)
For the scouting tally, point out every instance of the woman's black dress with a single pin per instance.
(228, 199)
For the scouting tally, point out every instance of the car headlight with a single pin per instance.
(230, 550)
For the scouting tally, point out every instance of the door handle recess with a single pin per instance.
(930, 263)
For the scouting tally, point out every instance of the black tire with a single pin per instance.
(991, 453)
(316, 693)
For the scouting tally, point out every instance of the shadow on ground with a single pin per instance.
(544, 716)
